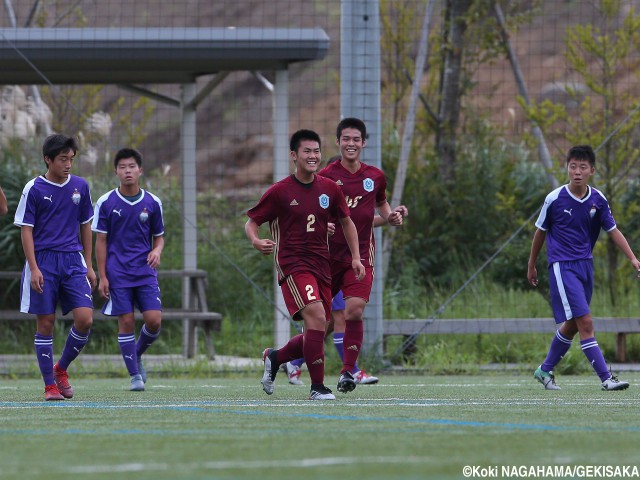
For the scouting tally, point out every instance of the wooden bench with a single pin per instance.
(618, 325)
(195, 315)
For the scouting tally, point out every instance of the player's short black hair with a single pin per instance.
(300, 135)
(582, 152)
(351, 122)
(127, 153)
(56, 144)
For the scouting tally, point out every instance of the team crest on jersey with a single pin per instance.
(75, 197)
(367, 184)
(593, 210)
(324, 200)
(144, 216)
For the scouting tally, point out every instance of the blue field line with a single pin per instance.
(231, 408)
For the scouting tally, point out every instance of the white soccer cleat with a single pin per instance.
(612, 383)
(363, 378)
(293, 372)
(546, 378)
(269, 375)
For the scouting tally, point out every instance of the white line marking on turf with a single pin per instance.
(243, 464)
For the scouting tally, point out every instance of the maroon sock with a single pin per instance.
(314, 355)
(291, 351)
(353, 334)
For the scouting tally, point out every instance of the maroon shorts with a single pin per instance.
(343, 278)
(301, 289)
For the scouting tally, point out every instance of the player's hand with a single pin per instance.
(636, 266)
(402, 210)
(264, 245)
(91, 276)
(532, 276)
(395, 219)
(103, 287)
(153, 259)
(358, 269)
(331, 228)
(37, 280)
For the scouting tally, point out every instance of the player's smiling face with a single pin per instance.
(351, 144)
(128, 171)
(60, 167)
(307, 157)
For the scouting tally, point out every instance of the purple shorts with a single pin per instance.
(338, 302)
(571, 287)
(124, 300)
(65, 281)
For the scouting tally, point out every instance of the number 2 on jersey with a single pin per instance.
(311, 219)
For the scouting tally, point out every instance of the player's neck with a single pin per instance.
(352, 165)
(129, 190)
(55, 178)
(579, 191)
(304, 177)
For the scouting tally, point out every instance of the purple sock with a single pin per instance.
(559, 347)
(297, 362)
(127, 343)
(145, 339)
(338, 338)
(592, 351)
(72, 348)
(44, 353)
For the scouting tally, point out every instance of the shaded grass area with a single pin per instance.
(406, 427)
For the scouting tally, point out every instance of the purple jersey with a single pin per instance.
(55, 211)
(130, 228)
(573, 224)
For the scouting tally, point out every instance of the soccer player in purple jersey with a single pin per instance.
(299, 209)
(54, 216)
(571, 218)
(364, 187)
(129, 242)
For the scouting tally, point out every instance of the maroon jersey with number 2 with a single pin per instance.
(298, 215)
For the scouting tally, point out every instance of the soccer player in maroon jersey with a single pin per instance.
(299, 209)
(364, 187)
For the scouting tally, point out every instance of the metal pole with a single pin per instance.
(360, 97)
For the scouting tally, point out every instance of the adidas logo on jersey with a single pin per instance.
(339, 182)
(294, 202)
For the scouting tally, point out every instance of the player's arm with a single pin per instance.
(536, 245)
(351, 236)
(86, 238)
(37, 279)
(378, 221)
(620, 241)
(153, 259)
(4, 207)
(263, 245)
(101, 260)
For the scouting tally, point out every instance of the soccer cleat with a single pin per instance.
(62, 381)
(270, 371)
(141, 370)
(320, 392)
(137, 384)
(346, 382)
(612, 383)
(293, 371)
(51, 392)
(363, 378)
(546, 378)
